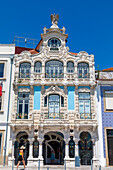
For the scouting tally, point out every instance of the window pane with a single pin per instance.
(62, 101)
(109, 100)
(1, 69)
(45, 101)
(83, 70)
(24, 70)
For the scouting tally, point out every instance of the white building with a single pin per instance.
(6, 57)
(54, 103)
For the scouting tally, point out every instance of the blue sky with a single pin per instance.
(89, 24)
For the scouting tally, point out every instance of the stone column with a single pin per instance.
(13, 141)
(40, 148)
(66, 148)
(76, 146)
(30, 148)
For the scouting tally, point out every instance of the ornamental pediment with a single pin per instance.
(84, 90)
(24, 90)
(54, 89)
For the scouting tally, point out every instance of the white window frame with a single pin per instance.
(108, 107)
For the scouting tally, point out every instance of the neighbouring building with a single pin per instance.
(54, 103)
(105, 113)
(6, 64)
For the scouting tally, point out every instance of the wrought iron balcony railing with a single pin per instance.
(85, 115)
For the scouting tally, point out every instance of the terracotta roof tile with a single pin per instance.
(73, 53)
(33, 51)
(108, 69)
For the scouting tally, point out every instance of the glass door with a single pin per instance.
(54, 103)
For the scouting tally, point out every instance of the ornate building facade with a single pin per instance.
(54, 102)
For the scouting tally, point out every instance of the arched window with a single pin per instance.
(35, 148)
(71, 148)
(83, 70)
(38, 67)
(85, 148)
(24, 70)
(54, 43)
(70, 67)
(54, 69)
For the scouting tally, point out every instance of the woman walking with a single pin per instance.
(21, 157)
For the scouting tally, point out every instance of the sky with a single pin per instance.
(88, 23)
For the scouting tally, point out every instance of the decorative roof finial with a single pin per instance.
(54, 20)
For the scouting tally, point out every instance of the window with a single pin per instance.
(54, 69)
(35, 148)
(70, 67)
(1, 70)
(54, 102)
(83, 70)
(23, 105)
(108, 101)
(24, 70)
(38, 67)
(84, 105)
(71, 148)
(45, 101)
(62, 101)
(0, 142)
(54, 43)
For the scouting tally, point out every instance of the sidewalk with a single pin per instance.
(57, 167)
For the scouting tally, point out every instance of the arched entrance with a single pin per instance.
(85, 148)
(21, 139)
(54, 143)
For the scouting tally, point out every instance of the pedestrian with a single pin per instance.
(21, 157)
(52, 156)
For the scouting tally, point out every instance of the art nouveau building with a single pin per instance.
(54, 102)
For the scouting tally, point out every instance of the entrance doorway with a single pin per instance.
(54, 148)
(21, 140)
(110, 146)
(85, 148)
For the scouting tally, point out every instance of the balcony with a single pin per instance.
(62, 119)
(85, 115)
(22, 118)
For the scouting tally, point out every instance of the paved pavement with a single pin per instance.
(57, 167)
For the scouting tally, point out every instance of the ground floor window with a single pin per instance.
(71, 148)
(110, 146)
(85, 148)
(0, 102)
(35, 148)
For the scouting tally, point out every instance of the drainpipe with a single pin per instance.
(8, 111)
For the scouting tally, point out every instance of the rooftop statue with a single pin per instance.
(54, 20)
